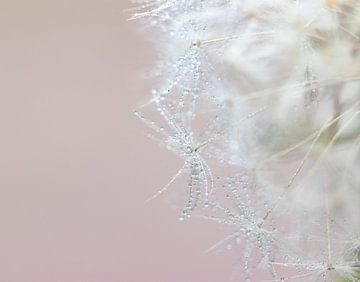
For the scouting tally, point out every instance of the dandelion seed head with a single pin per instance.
(260, 99)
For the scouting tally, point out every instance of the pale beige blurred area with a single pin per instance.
(75, 165)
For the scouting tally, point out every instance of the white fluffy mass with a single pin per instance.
(261, 100)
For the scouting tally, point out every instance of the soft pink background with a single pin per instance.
(75, 165)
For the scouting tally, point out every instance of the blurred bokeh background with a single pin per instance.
(75, 165)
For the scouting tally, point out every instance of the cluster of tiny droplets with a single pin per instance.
(261, 101)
